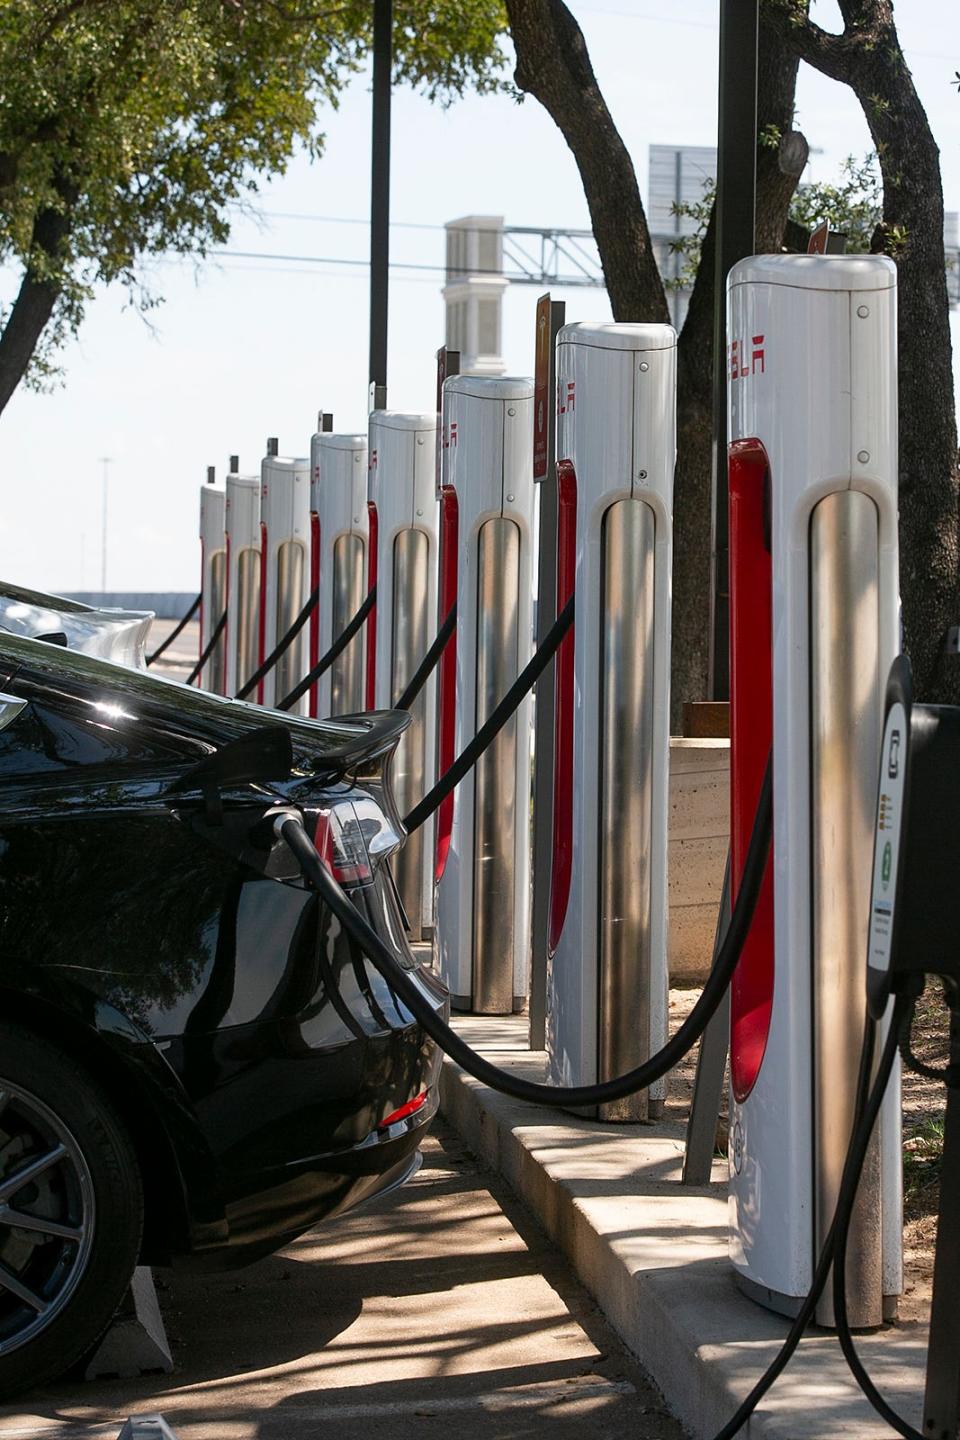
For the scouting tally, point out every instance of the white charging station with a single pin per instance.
(812, 387)
(242, 526)
(616, 444)
(403, 520)
(483, 847)
(213, 582)
(284, 572)
(339, 529)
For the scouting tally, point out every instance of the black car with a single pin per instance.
(196, 1063)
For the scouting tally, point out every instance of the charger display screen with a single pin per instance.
(886, 841)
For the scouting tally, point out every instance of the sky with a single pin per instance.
(246, 348)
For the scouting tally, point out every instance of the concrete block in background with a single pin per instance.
(698, 835)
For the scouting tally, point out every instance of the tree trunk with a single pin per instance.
(929, 475)
(868, 58)
(779, 166)
(553, 65)
(36, 299)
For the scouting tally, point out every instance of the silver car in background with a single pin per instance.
(110, 634)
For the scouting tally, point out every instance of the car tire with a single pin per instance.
(65, 1268)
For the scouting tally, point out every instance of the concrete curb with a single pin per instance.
(653, 1254)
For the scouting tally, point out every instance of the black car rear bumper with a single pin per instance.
(293, 1114)
(288, 1200)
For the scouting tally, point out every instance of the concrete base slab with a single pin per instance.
(654, 1255)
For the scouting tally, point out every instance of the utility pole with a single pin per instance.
(106, 462)
(380, 200)
(735, 223)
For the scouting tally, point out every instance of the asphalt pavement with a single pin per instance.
(439, 1308)
(180, 657)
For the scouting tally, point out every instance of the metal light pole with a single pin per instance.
(735, 238)
(551, 314)
(106, 462)
(735, 231)
(380, 200)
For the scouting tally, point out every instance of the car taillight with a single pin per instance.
(411, 1108)
(341, 845)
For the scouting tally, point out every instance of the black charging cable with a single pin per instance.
(899, 1036)
(218, 630)
(155, 654)
(333, 654)
(290, 827)
(867, 1108)
(281, 647)
(429, 662)
(869, 1097)
(492, 726)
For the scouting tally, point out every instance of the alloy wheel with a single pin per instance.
(46, 1215)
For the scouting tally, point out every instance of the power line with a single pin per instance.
(345, 220)
(358, 264)
(322, 274)
(333, 260)
(651, 18)
(404, 224)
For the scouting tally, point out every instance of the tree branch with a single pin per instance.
(833, 55)
(554, 66)
(38, 292)
(865, 16)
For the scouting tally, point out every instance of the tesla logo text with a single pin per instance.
(450, 436)
(742, 362)
(566, 396)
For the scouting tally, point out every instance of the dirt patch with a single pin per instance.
(923, 1108)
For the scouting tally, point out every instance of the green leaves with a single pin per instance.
(853, 204)
(138, 122)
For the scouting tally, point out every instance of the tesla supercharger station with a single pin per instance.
(616, 444)
(814, 627)
(242, 524)
(483, 838)
(338, 522)
(403, 515)
(284, 572)
(213, 582)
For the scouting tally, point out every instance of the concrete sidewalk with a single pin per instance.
(654, 1255)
